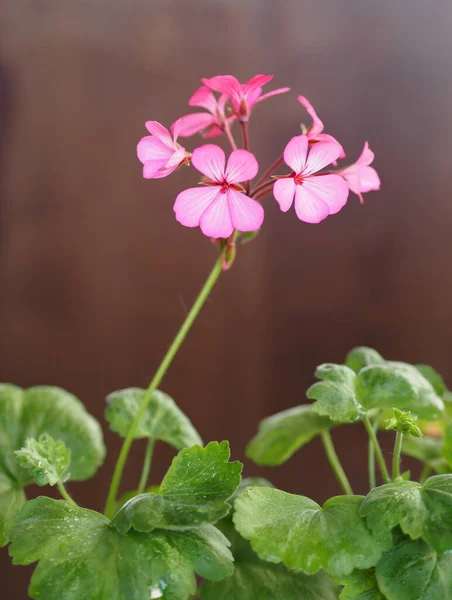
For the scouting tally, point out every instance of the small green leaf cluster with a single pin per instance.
(404, 422)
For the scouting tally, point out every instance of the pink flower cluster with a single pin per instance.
(228, 201)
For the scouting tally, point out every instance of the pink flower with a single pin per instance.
(221, 206)
(210, 123)
(243, 96)
(316, 196)
(360, 177)
(314, 132)
(159, 152)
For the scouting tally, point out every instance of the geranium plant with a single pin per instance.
(203, 532)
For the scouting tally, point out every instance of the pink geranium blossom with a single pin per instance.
(316, 195)
(243, 96)
(159, 152)
(315, 132)
(360, 177)
(212, 122)
(221, 206)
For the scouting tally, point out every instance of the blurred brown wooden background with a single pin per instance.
(95, 273)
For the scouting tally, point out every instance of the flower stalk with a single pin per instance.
(160, 373)
(335, 463)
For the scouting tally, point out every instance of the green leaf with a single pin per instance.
(433, 377)
(12, 497)
(82, 556)
(419, 510)
(361, 357)
(446, 449)
(163, 419)
(247, 236)
(335, 394)
(299, 533)
(46, 459)
(398, 385)
(428, 450)
(281, 435)
(43, 409)
(30, 413)
(413, 571)
(250, 482)
(194, 491)
(255, 579)
(360, 585)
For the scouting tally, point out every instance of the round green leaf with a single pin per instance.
(412, 570)
(305, 537)
(255, 579)
(194, 491)
(335, 395)
(361, 357)
(419, 510)
(398, 385)
(281, 435)
(80, 553)
(163, 419)
(360, 585)
(433, 377)
(41, 410)
(428, 450)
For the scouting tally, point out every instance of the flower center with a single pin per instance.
(299, 179)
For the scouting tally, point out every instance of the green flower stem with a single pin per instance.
(371, 455)
(426, 470)
(146, 466)
(378, 452)
(64, 493)
(396, 456)
(335, 463)
(161, 371)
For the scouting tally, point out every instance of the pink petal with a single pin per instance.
(246, 213)
(150, 148)
(321, 155)
(295, 153)
(210, 161)
(213, 131)
(331, 189)
(308, 206)
(192, 203)
(369, 179)
(366, 157)
(317, 125)
(284, 191)
(204, 98)
(273, 93)
(225, 84)
(216, 220)
(160, 132)
(151, 168)
(326, 137)
(191, 124)
(242, 166)
(257, 81)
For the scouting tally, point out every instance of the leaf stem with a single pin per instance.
(160, 373)
(371, 456)
(65, 494)
(396, 456)
(146, 466)
(335, 463)
(377, 448)
(426, 470)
